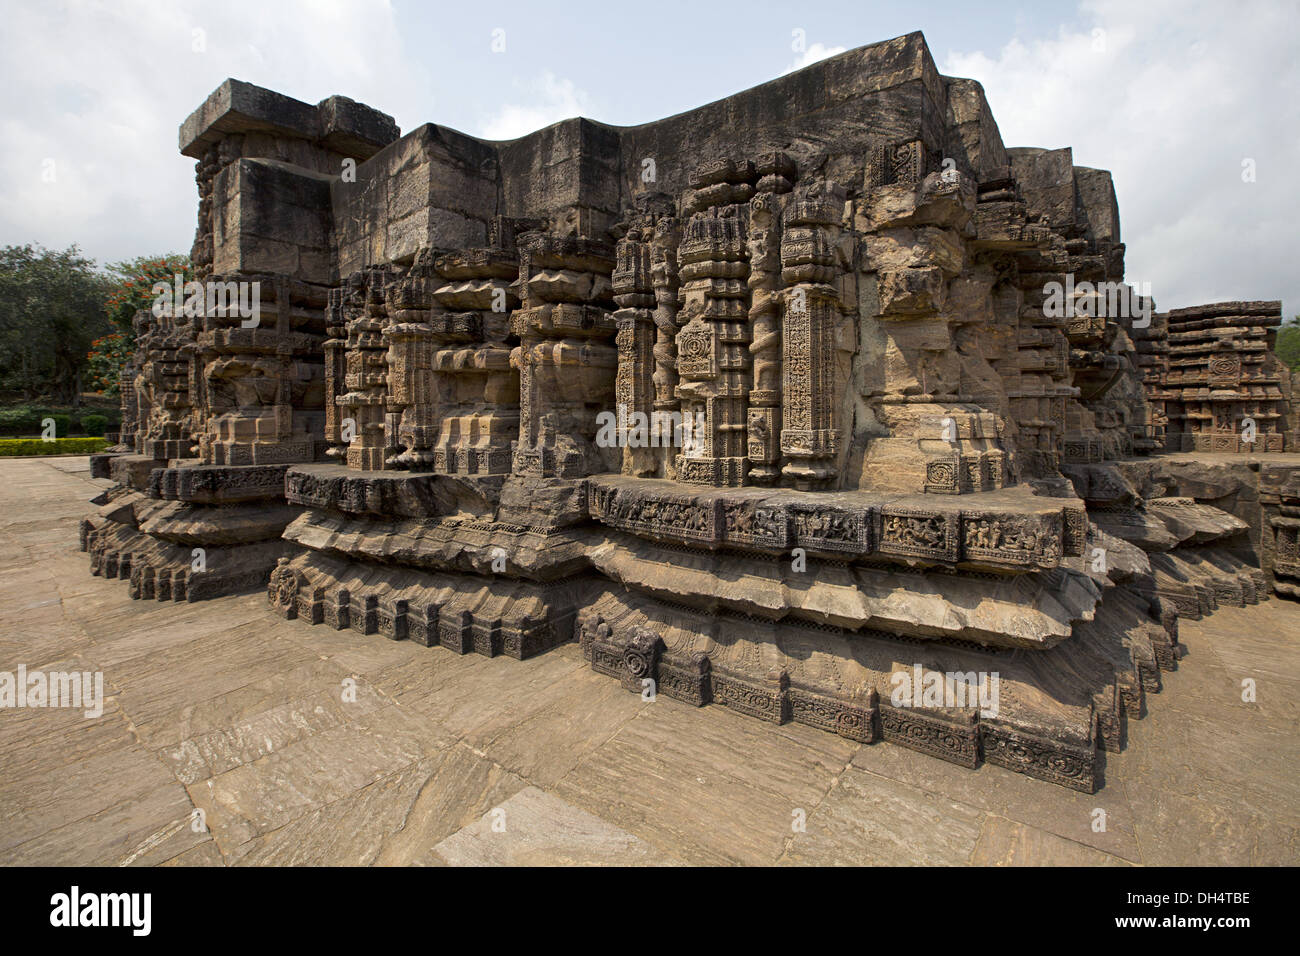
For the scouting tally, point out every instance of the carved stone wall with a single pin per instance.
(1223, 378)
(768, 403)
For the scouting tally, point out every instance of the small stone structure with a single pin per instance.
(810, 403)
(220, 399)
(1224, 390)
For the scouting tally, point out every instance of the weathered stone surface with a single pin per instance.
(841, 398)
(1219, 384)
(534, 828)
(661, 779)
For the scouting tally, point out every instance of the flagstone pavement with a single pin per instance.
(223, 708)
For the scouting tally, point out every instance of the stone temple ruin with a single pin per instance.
(818, 403)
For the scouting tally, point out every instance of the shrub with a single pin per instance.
(19, 447)
(107, 355)
(26, 421)
(20, 420)
(62, 425)
(94, 424)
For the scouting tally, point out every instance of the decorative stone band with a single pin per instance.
(381, 493)
(843, 526)
(218, 484)
(636, 656)
(495, 617)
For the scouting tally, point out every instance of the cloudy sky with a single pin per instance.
(1181, 100)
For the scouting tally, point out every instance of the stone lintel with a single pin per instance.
(337, 123)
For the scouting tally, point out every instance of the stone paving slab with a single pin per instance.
(303, 745)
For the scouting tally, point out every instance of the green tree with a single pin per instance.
(1288, 344)
(51, 310)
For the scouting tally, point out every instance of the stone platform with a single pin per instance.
(219, 706)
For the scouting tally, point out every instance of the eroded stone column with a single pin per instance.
(410, 364)
(640, 433)
(763, 425)
(713, 344)
(477, 388)
(566, 363)
(809, 267)
(366, 374)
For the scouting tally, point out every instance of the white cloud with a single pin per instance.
(818, 51)
(548, 99)
(1171, 97)
(102, 88)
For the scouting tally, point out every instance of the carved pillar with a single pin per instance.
(566, 364)
(165, 416)
(713, 344)
(764, 417)
(410, 364)
(663, 273)
(477, 389)
(336, 354)
(639, 433)
(128, 404)
(365, 374)
(809, 436)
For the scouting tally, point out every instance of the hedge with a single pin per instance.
(16, 447)
(28, 421)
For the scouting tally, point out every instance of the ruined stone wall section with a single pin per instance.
(917, 225)
(258, 382)
(1225, 390)
(434, 188)
(842, 276)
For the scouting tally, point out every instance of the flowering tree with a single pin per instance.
(130, 288)
(132, 282)
(107, 355)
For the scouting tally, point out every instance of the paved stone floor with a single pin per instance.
(444, 759)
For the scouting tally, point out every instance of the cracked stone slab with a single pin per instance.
(868, 820)
(396, 820)
(535, 828)
(256, 798)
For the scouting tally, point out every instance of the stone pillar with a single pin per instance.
(763, 426)
(639, 433)
(809, 436)
(410, 364)
(566, 363)
(127, 403)
(166, 429)
(663, 273)
(365, 376)
(336, 355)
(713, 344)
(477, 389)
